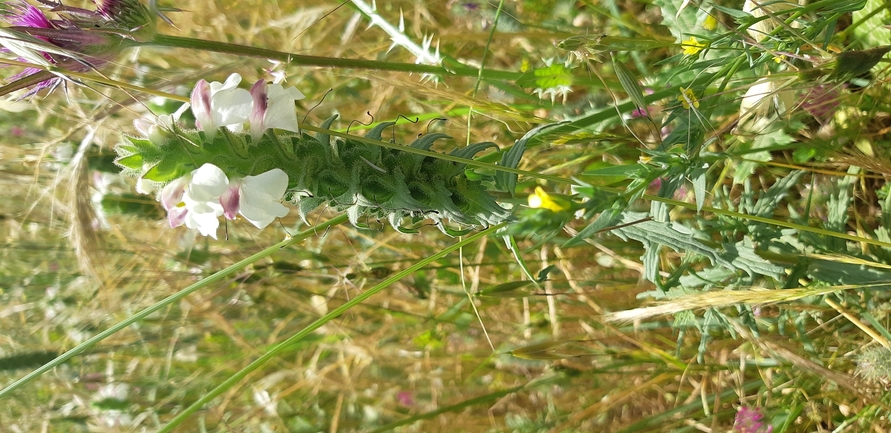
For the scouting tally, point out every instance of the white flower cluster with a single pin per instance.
(199, 198)
(224, 104)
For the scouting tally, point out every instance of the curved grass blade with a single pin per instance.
(80, 348)
(278, 348)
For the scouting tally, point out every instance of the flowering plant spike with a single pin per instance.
(225, 168)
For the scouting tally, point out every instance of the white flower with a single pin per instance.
(273, 108)
(220, 104)
(257, 198)
(151, 127)
(147, 187)
(765, 98)
(194, 200)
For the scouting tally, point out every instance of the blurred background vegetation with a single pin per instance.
(769, 287)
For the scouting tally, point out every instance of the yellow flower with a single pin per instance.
(688, 98)
(692, 47)
(541, 200)
(710, 23)
(780, 58)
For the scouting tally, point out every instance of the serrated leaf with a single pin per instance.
(544, 78)
(678, 21)
(653, 234)
(604, 220)
(744, 257)
(470, 151)
(133, 162)
(769, 200)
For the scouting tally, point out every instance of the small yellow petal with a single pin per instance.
(688, 98)
(541, 200)
(710, 23)
(692, 46)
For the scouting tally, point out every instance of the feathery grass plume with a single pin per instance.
(77, 39)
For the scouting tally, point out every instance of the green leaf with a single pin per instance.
(653, 234)
(625, 171)
(133, 162)
(759, 150)
(548, 77)
(744, 257)
(506, 290)
(604, 220)
(735, 13)
(508, 181)
(872, 31)
(850, 64)
(630, 84)
(699, 186)
(677, 21)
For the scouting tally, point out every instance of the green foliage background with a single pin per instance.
(704, 258)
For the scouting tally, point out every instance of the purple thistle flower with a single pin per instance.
(750, 420)
(28, 16)
(79, 40)
(821, 102)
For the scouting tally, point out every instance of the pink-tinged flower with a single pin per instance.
(198, 199)
(405, 398)
(273, 108)
(220, 104)
(194, 199)
(257, 198)
(750, 420)
(822, 102)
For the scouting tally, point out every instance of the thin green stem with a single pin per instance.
(454, 68)
(80, 348)
(278, 348)
(479, 76)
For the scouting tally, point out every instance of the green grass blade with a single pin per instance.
(274, 351)
(80, 348)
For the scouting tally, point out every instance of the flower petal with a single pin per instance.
(281, 113)
(177, 216)
(172, 193)
(230, 200)
(206, 223)
(261, 197)
(208, 183)
(231, 106)
(258, 113)
(200, 102)
(273, 182)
